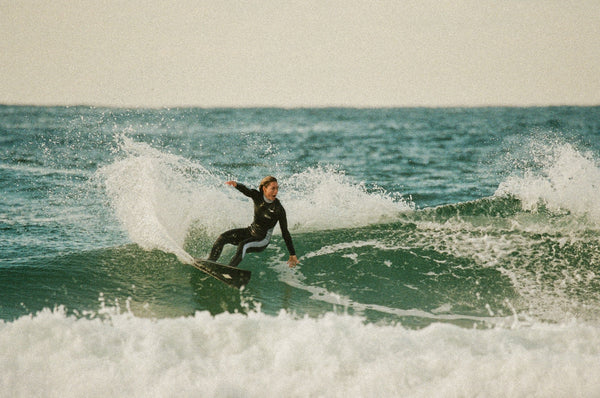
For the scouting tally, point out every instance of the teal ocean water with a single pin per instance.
(443, 252)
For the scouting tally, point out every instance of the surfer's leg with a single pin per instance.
(251, 245)
(232, 237)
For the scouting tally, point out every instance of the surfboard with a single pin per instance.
(232, 276)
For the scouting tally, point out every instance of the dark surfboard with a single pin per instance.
(232, 276)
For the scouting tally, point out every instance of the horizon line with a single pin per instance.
(294, 106)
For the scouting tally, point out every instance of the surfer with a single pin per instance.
(255, 238)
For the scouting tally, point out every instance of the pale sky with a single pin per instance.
(300, 53)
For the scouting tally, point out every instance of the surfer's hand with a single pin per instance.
(232, 183)
(293, 261)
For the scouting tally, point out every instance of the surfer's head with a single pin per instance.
(269, 187)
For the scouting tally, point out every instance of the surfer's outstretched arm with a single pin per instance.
(251, 193)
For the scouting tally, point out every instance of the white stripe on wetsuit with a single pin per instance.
(260, 243)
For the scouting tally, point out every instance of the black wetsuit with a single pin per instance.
(257, 236)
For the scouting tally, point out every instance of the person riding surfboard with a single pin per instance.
(268, 211)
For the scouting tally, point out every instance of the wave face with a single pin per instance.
(423, 234)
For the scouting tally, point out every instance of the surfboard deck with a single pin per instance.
(232, 276)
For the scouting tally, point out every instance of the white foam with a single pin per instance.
(55, 355)
(325, 198)
(564, 179)
(157, 196)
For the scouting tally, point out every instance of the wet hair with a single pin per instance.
(266, 181)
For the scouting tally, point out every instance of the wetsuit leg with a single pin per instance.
(232, 237)
(251, 245)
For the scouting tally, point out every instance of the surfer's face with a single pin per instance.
(270, 190)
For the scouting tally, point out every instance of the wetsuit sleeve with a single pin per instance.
(251, 193)
(285, 233)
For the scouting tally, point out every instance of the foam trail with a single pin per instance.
(294, 279)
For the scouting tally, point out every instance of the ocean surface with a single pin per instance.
(443, 252)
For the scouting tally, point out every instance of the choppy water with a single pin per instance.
(442, 250)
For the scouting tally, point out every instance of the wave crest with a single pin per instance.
(559, 178)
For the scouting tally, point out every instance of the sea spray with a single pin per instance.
(325, 198)
(159, 198)
(559, 178)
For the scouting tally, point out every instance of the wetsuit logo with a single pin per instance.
(270, 213)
